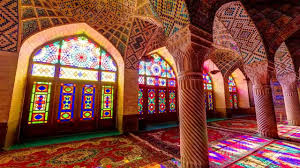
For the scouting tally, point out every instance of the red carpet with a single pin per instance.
(242, 124)
(111, 152)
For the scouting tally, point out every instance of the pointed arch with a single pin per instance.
(37, 40)
(218, 85)
(283, 61)
(240, 26)
(242, 88)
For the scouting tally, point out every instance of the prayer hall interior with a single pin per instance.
(149, 83)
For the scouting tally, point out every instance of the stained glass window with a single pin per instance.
(48, 53)
(107, 102)
(39, 104)
(84, 75)
(140, 101)
(66, 102)
(88, 102)
(43, 70)
(72, 53)
(80, 52)
(107, 63)
(108, 76)
(79, 74)
(162, 101)
(141, 80)
(151, 101)
(172, 100)
(233, 99)
(156, 76)
(207, 84)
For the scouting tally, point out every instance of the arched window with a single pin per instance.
(208, 88)
(72, 86)
(157, 88)
(232, 93)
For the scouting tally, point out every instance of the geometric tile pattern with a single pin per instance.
(222, 38)
(238, 23)
(173, 13)
(145, 10)
(8, 25)
(283, 61)
(226, 61)
(37, 15)
(140, 35)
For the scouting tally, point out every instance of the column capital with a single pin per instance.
(258, 73)
(288, 81)
(189, 47)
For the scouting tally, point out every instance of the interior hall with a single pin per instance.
(149, 83)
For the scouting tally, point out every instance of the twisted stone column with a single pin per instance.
(193, 129)
(189, 56)
(291, 99)
(265, 113)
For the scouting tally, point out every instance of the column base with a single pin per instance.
(268, 134)
(294, 122)
(187, 164)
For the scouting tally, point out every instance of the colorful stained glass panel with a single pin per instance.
(108, 76)
(39, 104)
(162, 101)
(170, 72)
(151, 101)
(152, 81)
(172, 83)
(66, 102)
(172, 100)
(80, 52)
(43, 70)
(107, 63)
(78, 74)
(210, 101)
(48, 54)
(107, 102)
(235, 101)
(140, 101)
(142, 67)
(162, 82)
(141, 80)
(87, 102)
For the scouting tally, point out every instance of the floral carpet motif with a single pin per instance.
(244, 125)
(110, 152)
(277, 154)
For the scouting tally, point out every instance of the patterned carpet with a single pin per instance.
(110, 152)
(225, 147)
(229, 146)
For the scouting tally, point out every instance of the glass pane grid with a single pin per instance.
(107, 102)
(43, 70)
(66, 102)
(87, 102)
(39, 105)
(78, 74)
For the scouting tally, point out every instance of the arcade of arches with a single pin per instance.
(149, 83)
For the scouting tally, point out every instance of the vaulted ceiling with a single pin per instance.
(123, 22)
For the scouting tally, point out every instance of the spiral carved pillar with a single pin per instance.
(189, 56)
(265, 114)
(264, 107)
(193, 129)
(291, 99)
